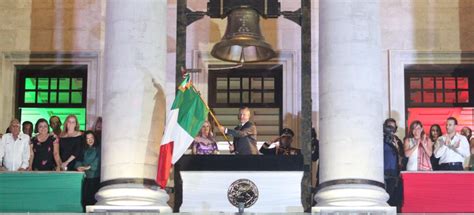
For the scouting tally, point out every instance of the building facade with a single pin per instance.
(56, 58)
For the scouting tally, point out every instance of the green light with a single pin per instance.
(33, 114)
(43, 83)
(64, 97)
(30, 83)
(42, 97)
(64, 83)
(30, 96)
(76, 84)
(54, 84)
(76, 97)
(53, 98)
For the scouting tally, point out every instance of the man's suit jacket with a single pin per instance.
(245, 139)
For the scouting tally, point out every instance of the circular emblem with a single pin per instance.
(242, 191)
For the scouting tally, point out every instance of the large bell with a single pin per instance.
(243, 41)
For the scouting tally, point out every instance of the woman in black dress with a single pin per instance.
(70, 143)
(44, 149)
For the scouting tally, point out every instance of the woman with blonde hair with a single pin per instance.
(204, 143)
(70, 142)
(418, 148)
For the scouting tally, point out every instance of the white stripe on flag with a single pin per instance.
(174, 132)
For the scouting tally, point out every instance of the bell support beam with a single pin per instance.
(306, 102)
(294, 16)
(185, 17)
(221, 8)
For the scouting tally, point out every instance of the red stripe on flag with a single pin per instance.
(164, 164)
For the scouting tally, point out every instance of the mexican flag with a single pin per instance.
(183, 123)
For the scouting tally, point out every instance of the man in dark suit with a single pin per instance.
(245, 134)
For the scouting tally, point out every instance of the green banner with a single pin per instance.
(41, 191)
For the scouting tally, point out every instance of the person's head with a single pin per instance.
(451, 124)
(244, 114)
(314, 139)
(467, 132)
(71, 123)
(98, 124)
(15, 127)
(27, 128)
(435, 132)
(286, 137)
(41, 126)
(55, 122)
(90, 139)
(416, 130)
(314, 135)
(205, 129)
(390, 126)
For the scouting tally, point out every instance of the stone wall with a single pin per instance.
(79, 25)
(66, 25)
(47, 26)
(427, 24)
(443, 28)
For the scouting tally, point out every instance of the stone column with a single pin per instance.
(350, 104)
(134, 106)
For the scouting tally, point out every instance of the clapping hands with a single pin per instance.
(457, 144)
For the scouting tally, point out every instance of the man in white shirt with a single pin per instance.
(451, 148)
(14, 149)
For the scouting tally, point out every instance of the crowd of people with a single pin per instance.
(48, 147)
(419, 151)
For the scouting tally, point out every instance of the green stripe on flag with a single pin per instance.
(192, 111)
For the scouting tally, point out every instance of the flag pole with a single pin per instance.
(212, 114)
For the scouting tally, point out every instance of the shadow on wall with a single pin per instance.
(434, 25)
(466, 25)
(315, 120)
(424, 22)
(269, 29)
(50, 25)
(214, 34)
(170, 44)
(443, 25)
(401, 129)
(65, 25)
(157, 122)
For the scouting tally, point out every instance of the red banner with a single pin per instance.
(438, 192)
